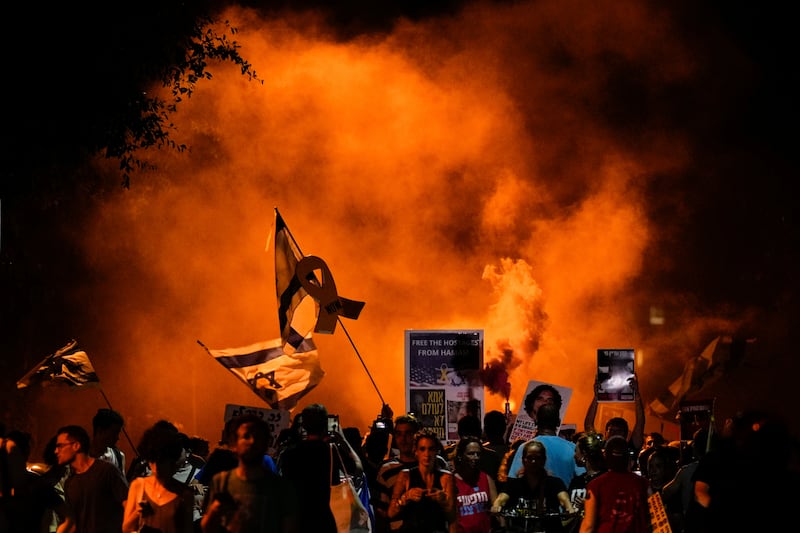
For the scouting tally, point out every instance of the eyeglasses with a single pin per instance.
(60, 445)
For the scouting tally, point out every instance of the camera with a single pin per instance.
(382, 424)
(333, 424)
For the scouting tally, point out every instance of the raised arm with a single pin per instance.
(591, 412)
(349, 455)
(637, 433)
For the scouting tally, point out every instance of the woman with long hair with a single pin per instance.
(424, 495)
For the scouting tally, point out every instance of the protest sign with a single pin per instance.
(443, 377)
(524, 426)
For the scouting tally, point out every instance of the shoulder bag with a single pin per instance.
(350, 513)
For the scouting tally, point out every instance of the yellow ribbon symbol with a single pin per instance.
(323, 289)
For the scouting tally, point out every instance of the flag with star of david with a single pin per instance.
(277, 377)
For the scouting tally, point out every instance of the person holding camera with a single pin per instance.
(308, 465)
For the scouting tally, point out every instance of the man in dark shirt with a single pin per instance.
(95, 491)
(308, 465)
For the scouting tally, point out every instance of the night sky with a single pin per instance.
(550, 172)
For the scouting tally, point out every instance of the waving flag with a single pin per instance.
(721, 354)
(68, 365)
(296, 277)
(277, 377)
(296, 315)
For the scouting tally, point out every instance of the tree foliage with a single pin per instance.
(80, 79)
(151, 125)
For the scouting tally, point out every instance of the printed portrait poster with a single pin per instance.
(442, 377)
(524, 426)
(276, 419)
(615, 368)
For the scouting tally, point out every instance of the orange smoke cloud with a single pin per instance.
(455, 174)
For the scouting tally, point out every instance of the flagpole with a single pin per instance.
(338, 318)
(288, 231)
(362, 361)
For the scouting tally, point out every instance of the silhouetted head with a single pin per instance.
(547, 417)
(616, 453)
(617, 426)
(469, 425)
(315, 420)
(494, 425)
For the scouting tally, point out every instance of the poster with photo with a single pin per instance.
(615, 369)
(524, 426)
(443, 377)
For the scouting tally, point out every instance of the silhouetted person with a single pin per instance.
(106, 427)
(95, 489)
(308, 465)
(251, 497)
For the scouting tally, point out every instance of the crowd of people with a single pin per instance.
(731, 478)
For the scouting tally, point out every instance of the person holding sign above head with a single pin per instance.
(619, 426)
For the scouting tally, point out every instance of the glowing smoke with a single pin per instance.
(458, 173)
